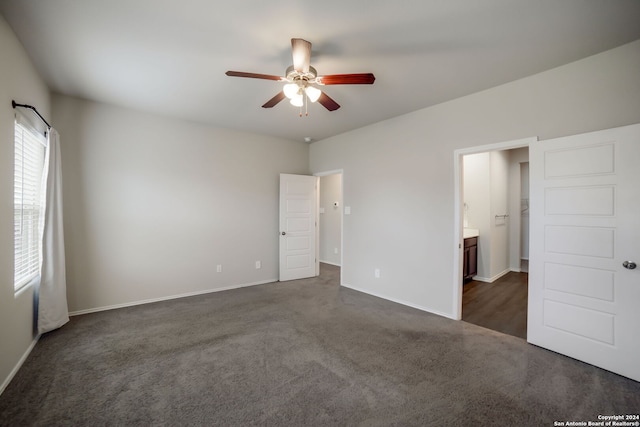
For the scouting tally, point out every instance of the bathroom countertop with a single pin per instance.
(470, 232)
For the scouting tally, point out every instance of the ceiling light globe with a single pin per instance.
(313, 93)
(297, 101)
(290, 90)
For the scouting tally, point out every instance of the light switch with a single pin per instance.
(347, 210)
(321, 210)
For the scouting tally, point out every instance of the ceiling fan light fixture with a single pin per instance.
(313, 93)
(297, 100)
(290, 90)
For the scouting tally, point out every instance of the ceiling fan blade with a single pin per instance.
(301, 51)
(254, 75)
(347, 79)
(273, 101)
(327, 102)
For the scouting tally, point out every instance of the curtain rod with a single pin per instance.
(14, 104)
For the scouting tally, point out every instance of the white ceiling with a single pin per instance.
(170, 56)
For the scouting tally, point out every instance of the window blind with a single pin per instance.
(29, 155)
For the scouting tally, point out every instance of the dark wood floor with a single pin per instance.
(501, 305)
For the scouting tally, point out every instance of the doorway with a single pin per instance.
(330, 211)
(495, 290)
(488, 213)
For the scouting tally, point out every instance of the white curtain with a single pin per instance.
(52, 294)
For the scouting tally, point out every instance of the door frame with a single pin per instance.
(458, 214)
(327, 173)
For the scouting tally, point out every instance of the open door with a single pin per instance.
(584, 293)
(298, 226)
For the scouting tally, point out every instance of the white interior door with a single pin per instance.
(585, 224)
(298, 226)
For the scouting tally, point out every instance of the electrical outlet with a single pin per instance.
(258, 265)
(376, 273)
(219, 268)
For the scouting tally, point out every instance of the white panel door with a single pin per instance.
(585, 224)
(298, 226)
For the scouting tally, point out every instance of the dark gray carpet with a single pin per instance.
(299, 353)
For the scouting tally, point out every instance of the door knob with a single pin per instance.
(284, 232)
(629, 265)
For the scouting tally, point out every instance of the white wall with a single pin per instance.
(524, 227)
(518, 242)
(486, 195)
(18, 81)
(477, 197)
(399, 178)
(153, 204)
(499, 207)
(330, 218)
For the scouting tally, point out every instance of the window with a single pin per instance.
(28, 200)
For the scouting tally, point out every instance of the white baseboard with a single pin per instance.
(330, 263)
(491, 279)
(16, 368)
(408, 304)
(152, 300)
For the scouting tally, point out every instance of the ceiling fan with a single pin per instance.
(301, 80)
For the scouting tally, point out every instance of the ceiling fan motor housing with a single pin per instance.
(292, 75)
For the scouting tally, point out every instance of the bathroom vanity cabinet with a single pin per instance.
(470, 260)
